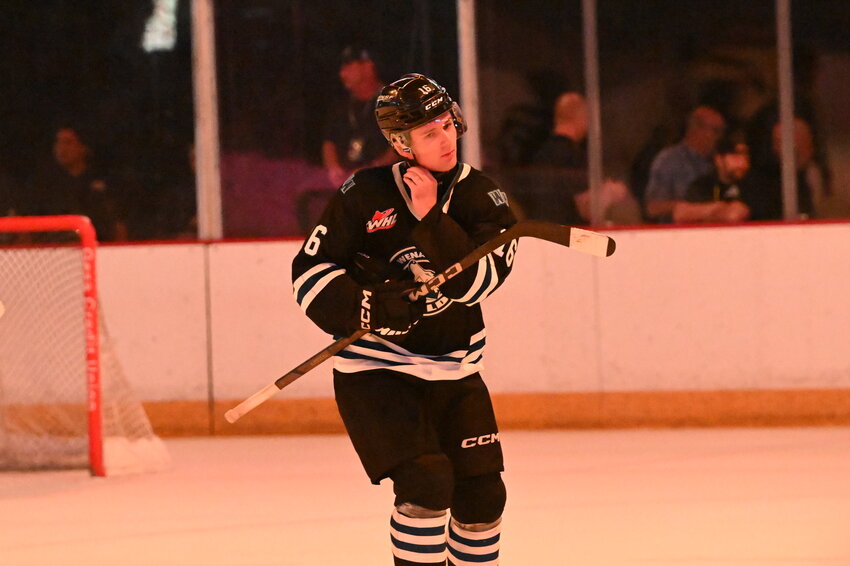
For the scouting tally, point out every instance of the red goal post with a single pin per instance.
(24, 442)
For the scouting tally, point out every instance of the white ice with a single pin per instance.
(726, 497)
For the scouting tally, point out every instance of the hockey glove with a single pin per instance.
(385, 309)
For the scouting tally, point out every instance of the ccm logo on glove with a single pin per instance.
(365, 310)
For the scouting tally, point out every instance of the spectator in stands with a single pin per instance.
(677, 166)
(767, 177)
(73, 184)
(566, 149)
(718, 196)
(352, 141)
(566, 146)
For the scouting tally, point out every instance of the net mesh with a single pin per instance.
(43, 378)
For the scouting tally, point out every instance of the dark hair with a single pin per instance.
(354, 52)
(730, 143)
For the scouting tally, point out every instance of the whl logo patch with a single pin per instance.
(381, 220)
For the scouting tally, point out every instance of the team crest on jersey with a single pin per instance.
(381, 220)
(414, 261)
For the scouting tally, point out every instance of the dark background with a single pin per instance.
(81, 61)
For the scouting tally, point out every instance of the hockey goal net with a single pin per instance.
(64, 400)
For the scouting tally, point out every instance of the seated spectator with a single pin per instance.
(677, 166)
(566, 148)
(718, 196)
(766, 179)
(351, 139)
(73, 184)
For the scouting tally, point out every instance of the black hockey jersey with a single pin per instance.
(371, 217)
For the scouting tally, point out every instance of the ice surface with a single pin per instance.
(726, 497)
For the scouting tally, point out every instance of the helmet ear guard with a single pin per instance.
(403, 141)
(458, 119)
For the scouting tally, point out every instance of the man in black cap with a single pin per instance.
(351, 139)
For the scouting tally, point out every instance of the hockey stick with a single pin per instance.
(578, 239)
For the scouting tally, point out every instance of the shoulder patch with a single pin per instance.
(347, 185)
(499, 197)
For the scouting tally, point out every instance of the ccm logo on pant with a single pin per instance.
(480, 440)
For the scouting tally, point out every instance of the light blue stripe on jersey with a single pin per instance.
(372, 352)
(312, 281)
(382, 351)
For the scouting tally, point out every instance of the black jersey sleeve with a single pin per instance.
(477, 212)
(322, 277)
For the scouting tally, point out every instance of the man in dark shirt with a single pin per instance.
(766, 178)
(73, 185)
(718, 196)
(352, 140)
(560, 168)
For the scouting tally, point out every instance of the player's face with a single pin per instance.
(434, 144)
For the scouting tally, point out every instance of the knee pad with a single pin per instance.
(479, 499)
(426, 481)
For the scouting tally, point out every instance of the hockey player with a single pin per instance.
(409, 392)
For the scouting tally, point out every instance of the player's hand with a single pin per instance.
(392, 314)
(423, 189)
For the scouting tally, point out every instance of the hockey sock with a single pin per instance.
(418, 541)
(473, 548)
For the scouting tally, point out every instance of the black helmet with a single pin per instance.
(411, 101)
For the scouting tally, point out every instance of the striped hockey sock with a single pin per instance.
(418, 541)
(472, 548)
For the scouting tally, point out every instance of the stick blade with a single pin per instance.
(592, 243)
(578, 239)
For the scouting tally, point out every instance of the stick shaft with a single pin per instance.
(317, 359)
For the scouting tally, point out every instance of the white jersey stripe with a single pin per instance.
(490, 282)
(372, 352)
(481, 271)
(311, 283)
